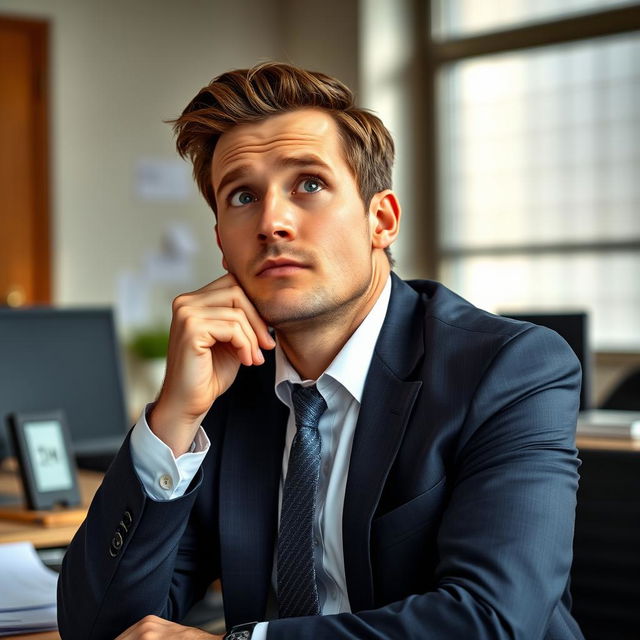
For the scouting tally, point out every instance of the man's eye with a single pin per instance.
(241, 198)
(310, 185)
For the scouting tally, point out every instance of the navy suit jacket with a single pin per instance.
(459, 506)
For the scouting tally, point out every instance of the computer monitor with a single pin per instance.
(64, 359)
(573, 328)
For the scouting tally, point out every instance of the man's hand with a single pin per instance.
(154, 628)
(213, 331)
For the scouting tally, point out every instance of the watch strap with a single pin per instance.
(241, 631)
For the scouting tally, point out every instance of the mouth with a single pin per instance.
(280, 267)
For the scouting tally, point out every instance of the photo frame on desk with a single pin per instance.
(42, 445)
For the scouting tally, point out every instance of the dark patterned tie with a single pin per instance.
(297, 589)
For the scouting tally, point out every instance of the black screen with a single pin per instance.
(63, 359)
(573, 328)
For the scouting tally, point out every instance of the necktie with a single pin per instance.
(297, 589)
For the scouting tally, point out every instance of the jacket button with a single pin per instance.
(117, 541)
(127, 519)
(116, 544)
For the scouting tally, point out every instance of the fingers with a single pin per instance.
(155, 628)
(205, 326)
(226, 291)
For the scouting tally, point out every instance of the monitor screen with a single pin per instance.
(573, 328)
(63, 359)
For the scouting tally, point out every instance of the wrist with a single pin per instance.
(174, 429)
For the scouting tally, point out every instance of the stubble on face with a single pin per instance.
(316, 304)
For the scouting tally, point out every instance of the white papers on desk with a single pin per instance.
(27, 591)
(609, 424)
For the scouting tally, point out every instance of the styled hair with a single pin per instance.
(271, 88)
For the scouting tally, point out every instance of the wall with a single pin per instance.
(322, 37)
(391, 85)
(118, 69)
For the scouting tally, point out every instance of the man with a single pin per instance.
(402, 465)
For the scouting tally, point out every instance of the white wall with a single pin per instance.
(322, 37)
(118, 69)
(390, 85)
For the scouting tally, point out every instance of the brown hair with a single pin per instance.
(250, 95)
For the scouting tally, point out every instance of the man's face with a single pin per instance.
(291, 222)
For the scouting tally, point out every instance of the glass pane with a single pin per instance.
(458, 18)
(607, 286)
(542, 146)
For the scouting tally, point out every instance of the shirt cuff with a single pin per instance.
(260, 631)
(163, 476)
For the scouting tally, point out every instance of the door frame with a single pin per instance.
(38, 34)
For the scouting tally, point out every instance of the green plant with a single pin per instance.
(150, 343)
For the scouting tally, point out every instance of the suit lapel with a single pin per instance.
(387, 401)
(249, 481)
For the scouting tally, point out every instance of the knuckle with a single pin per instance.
(236, 292)
(189, 322)
(178, 302)
(182, 314)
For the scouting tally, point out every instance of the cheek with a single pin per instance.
(231, 246)
(347, 248)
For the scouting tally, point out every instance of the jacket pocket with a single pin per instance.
(410, 517)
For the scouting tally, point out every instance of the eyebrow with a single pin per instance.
(306, 161)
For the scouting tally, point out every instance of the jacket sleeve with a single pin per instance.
(133, 556)
(505, 539)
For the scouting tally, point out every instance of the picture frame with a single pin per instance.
(43, 448)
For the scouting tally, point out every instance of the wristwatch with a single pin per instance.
(241, 631)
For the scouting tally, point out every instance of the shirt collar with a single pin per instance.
(350, 367)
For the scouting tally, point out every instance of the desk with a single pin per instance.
(38, 535)
(607, 444)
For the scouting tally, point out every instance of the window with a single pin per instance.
(538, 159)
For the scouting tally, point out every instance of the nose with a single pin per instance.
(277, 221)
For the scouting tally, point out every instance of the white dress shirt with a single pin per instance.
(341, 385)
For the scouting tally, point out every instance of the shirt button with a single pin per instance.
(166, 482)
(316, 542)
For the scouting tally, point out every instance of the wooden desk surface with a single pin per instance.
(40, 536)
(608, 444)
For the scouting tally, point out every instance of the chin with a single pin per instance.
(293, 307)
(280, 315)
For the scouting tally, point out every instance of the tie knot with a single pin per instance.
(308, 406)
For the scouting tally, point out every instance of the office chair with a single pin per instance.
(606, 560)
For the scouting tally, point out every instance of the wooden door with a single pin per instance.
(24, 180)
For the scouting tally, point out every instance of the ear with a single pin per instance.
(384, 218)
(224, 260)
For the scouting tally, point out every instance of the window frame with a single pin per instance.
(442, 52)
